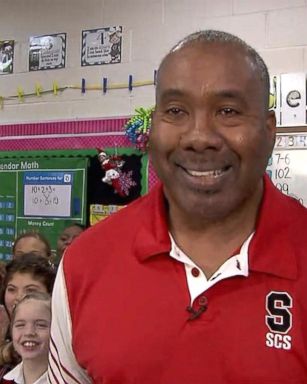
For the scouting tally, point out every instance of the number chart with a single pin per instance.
(287, 166)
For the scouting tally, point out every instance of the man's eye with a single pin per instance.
(228, 112)
(174, 111)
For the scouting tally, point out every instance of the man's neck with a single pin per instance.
(210, 243)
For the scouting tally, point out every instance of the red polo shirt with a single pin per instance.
(128, 298)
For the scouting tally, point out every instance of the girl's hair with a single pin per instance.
(38, 266)
(35, 235)
(39, 296)
(2, 272)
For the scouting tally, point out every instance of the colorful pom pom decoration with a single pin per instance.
(137, 128)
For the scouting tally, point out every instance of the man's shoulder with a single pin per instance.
(292, 217)
(295, 210)
(281, 208)
(118, 230)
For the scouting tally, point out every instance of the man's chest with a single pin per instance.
(250, 331)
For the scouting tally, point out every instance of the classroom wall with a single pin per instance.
(276, 28)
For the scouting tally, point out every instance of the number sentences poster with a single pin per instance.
(287, 165)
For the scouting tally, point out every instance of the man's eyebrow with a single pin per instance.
(231, 94)
(225, 94)
(170, 93)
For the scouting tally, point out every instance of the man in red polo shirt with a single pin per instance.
(204, 279)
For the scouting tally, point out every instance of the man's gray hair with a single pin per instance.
(213, 36)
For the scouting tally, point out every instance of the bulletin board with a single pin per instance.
(40, 191)
(46, 191)
(103, 199)
(287, 166)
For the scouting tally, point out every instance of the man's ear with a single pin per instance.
(271, 127)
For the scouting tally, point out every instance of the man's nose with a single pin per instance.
(201, 133)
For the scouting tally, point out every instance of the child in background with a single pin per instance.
(30, 330)
(27, 274)
(31, 242)
(4, 319)
(66, 238)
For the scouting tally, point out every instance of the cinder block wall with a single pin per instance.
(277, 28)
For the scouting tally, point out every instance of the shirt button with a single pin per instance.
(203, 301)
(195, 272)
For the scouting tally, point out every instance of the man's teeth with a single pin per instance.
(214, 173)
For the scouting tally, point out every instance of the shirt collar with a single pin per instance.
(236, 265)
(152, 236)
(271, 249)
(16, 374)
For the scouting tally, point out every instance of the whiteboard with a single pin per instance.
(287, 166)
(47, 194)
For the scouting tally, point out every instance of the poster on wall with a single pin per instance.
(6, 57)
(101, 46)
(286, 167)
(47, 52)
(47, 193)
(43, 192)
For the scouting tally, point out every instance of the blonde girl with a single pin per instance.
(30, 330)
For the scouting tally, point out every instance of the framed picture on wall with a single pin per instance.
(6, 57)
(101, 46)
(47, 52)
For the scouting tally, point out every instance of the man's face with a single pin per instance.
(211, 134)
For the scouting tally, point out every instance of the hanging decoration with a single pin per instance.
(57, 89)
(114, 175)
(137, 128)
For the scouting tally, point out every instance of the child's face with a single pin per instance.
(20, 285)
(31, 330)
(67, 237)
(30, 244)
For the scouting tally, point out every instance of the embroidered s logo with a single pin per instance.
(278, 320)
